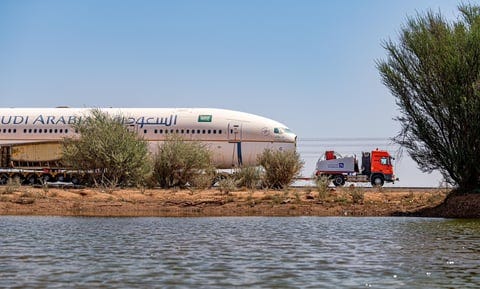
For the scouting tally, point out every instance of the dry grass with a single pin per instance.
(212, 202)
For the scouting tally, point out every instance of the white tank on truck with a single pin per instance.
(376, 168)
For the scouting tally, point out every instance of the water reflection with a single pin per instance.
(252, 252)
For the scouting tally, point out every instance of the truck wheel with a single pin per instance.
(30, 180)
(18, 178)
(3, 179)
(75, 180)
(61, 178)
(377, 181)
(338, 180)
(46, 178)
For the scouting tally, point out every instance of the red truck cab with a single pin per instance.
(380, 169)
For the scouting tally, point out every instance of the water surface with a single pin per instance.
(256, 252)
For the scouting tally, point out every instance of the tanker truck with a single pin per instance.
(376, 168)
(32, 163)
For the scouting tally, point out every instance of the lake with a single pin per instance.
(239, 252)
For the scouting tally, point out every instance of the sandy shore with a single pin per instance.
(213, 202)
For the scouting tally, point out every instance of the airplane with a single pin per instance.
(234, 138)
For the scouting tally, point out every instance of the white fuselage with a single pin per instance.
(233, 137)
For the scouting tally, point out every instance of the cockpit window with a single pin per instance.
(281, 130)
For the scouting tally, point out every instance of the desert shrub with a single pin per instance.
(321, 183)
(281, 198)
(249, 177)
(227, 184)
(203, 180)
(356, 194)
(12, 185)
(178, 162)
(107, 148)
(297, 196)
(281, 167)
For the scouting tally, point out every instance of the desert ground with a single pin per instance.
(349, 201)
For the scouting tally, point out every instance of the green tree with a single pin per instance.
(178, 163)
(434, 74)
(108, 150)
(281, 167)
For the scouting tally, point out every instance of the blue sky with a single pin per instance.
(308, 64)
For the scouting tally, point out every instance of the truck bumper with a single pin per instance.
(390, 178)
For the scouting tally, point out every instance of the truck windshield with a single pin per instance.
(385, 161)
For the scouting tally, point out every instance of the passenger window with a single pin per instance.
(144, 131)
(51, 130)
(171, 131)
(30, 130)
(24, 130)
(14, 130)
(61, 130)
(214, 131)
(203, 131)
(9, 130)
(34, 130)
(182, 131)
(66, 130)
(220, 131)
(161, 131)
(188, 131)
(193, 131)
(55, 130)
(209, 131)
(383, 161)
(155, 131)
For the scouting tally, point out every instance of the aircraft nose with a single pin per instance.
(293, 138)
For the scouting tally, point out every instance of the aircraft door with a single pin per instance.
(235, 137)
(234, 132)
